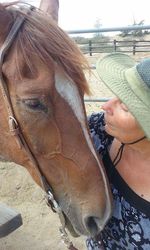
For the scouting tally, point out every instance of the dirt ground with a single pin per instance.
(40, 226)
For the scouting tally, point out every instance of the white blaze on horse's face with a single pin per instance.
(69, 91)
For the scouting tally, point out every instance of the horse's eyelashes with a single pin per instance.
(35, 104)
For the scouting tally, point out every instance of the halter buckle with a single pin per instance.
(15, 131)
(52, 202)
(13, 125)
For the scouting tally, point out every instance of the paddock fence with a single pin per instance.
(126, 46)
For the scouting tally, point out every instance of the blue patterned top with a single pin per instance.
(129, 226)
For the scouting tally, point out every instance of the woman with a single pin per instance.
(122, 137)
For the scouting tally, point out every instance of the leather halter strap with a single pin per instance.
(16, 131)
(12, 121)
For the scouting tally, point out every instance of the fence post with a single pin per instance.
(10, 220)
(134, 47)
(90, 47)
(115, 43)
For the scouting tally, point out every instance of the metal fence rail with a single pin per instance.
(103, 99)
(111, 29)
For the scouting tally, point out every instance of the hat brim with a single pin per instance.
(111, 69)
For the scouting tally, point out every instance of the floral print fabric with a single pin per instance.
(129, 226)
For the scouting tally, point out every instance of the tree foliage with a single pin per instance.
(135, 33)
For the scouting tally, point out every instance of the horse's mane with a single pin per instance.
(41, 36)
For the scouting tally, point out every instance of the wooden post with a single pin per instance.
(134, 47)
(90, 47)
(10, 220)
(115, 47)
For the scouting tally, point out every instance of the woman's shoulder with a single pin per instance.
(101, 139)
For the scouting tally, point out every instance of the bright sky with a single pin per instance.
(82, 14)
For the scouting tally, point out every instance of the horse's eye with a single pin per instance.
(35, 104)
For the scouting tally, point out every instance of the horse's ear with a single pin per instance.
(5, 22)
(51, 7)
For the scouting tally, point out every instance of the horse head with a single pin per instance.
(42, 73)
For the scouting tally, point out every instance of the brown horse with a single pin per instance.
(42, 88)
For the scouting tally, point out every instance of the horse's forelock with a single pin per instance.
(41, 36)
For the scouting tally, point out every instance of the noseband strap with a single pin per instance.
(16, 131)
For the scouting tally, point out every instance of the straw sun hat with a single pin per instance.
(130, 82)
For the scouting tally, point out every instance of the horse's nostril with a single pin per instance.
(91, 224)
